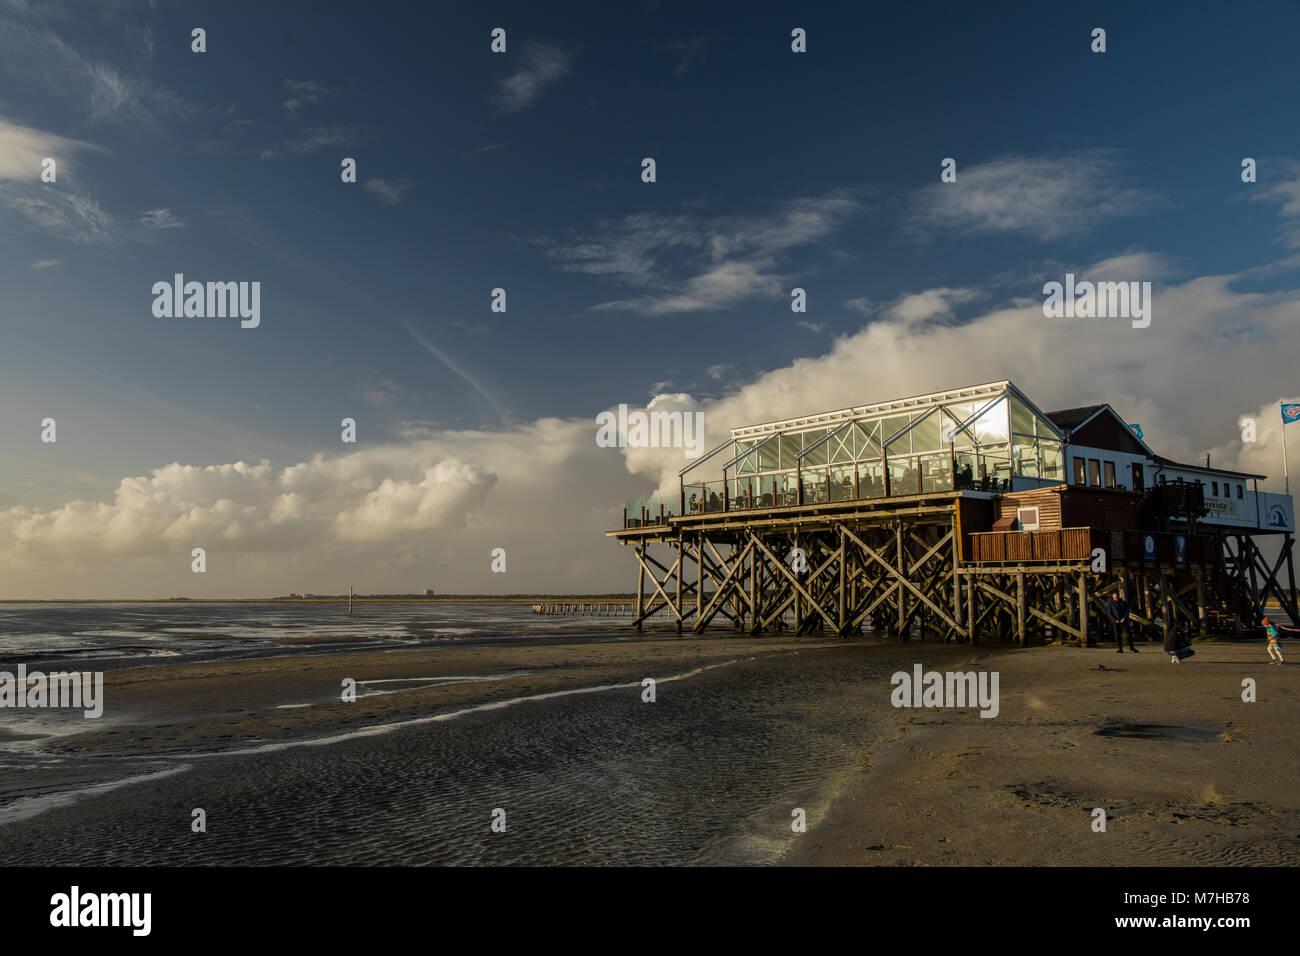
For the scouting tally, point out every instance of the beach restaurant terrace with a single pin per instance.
(981, 439)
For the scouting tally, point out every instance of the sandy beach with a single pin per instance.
(1209, 780)
(743, 731)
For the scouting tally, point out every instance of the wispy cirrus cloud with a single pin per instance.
(44, 264)
(687, 52)
(390, 192)
(1286, 193)
(542, 66)
(1043, 197)
(687, 262)
(160, 219)
(62, 208)
(311, 140)
(304, 92)
(23, 148)
(32, 52)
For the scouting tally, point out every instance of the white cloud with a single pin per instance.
(1285, 191)
(542, 66)
(427, 509)
(923, 306)
(862, 305)
(111, 92)
(388, 192)
(1042, 197)
(303, 92)
(22, 149)
(688, 263)
(160, 219)
(44, 264)
(309, 141)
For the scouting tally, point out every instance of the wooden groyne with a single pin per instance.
(587, 608)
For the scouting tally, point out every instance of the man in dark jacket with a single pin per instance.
(1119, 621)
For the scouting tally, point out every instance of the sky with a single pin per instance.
(522, 170)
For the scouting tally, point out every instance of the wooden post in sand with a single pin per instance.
(681, 570)
(1083, 609)
(970, 608)
(349, 600)
(1200, 601)
(640, 586)
(1020, 609)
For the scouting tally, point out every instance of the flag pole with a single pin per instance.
(1286, 477)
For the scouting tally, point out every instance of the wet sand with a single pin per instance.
(1212, 783)
(743, 731)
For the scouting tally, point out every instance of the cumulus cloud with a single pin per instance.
(253, 507)
(1155, 376)
(428, 509)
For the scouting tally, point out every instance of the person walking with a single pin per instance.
(1275, 652)
(1119, 621)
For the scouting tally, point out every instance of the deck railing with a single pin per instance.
(823, 484)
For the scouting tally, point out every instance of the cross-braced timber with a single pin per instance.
(900, 567)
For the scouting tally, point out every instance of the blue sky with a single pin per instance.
(522, 171)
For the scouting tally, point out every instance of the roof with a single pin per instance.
(1078, 417)
(1170, 463)
(862, 411)
(1071, 418)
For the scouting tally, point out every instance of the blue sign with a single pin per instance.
(1180, 549)
(1149, 547)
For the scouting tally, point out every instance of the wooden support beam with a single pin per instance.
(1020, 609)
(640, 587)
(900, 577)
(1083, 610)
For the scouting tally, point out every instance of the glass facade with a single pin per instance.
(980, 444)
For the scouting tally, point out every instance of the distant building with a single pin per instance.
(428, 592)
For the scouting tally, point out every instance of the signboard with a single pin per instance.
(1149, 547)
(1180, 549)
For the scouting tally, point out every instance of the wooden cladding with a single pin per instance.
(1066, 506)
(1144, 548)
(1023, 547)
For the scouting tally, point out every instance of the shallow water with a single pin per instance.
(709, 772)
(109, 635)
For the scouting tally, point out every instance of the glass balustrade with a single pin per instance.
(931, 473)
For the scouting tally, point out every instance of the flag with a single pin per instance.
(1137, 430)
(1290, 413)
